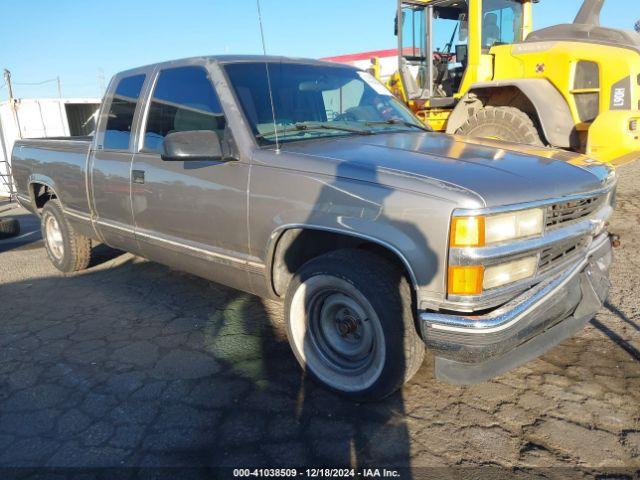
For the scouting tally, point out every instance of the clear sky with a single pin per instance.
(43, 39)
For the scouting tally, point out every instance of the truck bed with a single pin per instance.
(58, 163)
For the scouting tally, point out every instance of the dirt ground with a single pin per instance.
(133, 364)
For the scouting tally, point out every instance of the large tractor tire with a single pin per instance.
(502, 123)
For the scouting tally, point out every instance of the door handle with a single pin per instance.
(137, 176)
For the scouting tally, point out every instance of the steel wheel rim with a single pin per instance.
(53, 234)
(344, 364)
(341, 331)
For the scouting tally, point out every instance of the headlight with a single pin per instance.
(474, 280)
(511, 226)
(481, 231)
(487, 230)
(501, 275)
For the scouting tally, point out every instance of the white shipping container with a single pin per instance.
(42, 118)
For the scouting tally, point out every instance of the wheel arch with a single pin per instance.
(292, 246)
(536, 97)
(41, 190)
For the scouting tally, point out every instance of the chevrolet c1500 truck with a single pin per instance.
(309, 182)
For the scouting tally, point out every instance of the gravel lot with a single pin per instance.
(134, 364)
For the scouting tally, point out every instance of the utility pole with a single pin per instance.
(59, 87)
(7, 78)
(7, 178)
(12, 102)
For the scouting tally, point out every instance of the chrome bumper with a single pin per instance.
(473, 349)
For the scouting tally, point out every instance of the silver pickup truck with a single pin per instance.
(308, 182)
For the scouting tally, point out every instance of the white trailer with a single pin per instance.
(41, 118)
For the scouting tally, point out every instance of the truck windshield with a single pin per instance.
(502, 22)
(313, 101)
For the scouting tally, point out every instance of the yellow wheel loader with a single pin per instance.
(476, 68)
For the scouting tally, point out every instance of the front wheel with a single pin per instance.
(350, 324)
(502, 123)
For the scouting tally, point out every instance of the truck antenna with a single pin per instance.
(266, 64)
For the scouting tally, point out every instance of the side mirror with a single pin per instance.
(193, 145)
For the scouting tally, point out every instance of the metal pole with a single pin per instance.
(7, 78)
(4, 147)
(101, 86)
(65, 130)
(12, 103)
(8, 180)
(431, 86)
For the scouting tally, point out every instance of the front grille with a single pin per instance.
(557, 254)
(562, 213)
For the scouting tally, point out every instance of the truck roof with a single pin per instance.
(226, 59)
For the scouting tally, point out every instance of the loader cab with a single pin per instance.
(444, 45)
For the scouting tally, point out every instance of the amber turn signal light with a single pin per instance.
(467, 232)
(465, 280)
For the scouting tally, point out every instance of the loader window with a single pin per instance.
(414, 33)
(450, 36)
(338, 101)
(502, 22)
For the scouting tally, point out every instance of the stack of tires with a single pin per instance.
(9, 227)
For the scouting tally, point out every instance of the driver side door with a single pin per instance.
(190, 214)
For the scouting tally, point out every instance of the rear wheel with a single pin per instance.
(502, 123)
(350, 324)
(67, 250)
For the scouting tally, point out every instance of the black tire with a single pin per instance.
(502, 123)
(9, 227)
(70, 252)
(382, 295)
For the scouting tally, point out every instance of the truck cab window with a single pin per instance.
(117, 134)
(183, 100)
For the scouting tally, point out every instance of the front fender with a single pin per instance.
(414, 227)
(365, 234)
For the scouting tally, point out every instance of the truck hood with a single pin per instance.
(493, 172)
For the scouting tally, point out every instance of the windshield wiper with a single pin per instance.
(332, 126)
(395, 121)
(308, 126)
